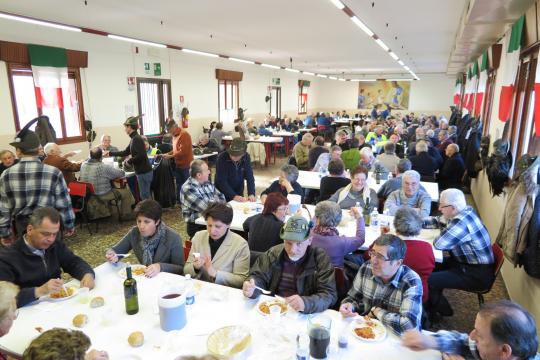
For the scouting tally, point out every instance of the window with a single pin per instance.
(228, 101)
(155, 104)
(490, 90)
(275, 101)
(303, 86)
(67, 122)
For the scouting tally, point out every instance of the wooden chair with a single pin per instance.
(499, 260)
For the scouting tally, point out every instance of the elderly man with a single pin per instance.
(410, 195)
(182, 153)
(35, 261)
(386, 289)
(232, 168)
(424, 163)
(59, 161)
(342, 140)
(470, 266)
(325, 158)
(367, 159)
(105, 143)
(453, 169)
(286, 183)
(28, 185)
(301, 151)
(100, 175)
(376, 136)
(388, 160)
(395, 183)
(196, 194)
(208, 144)
(444, 141)
(395, 139)
(316, 150)
(300, 273)
(502, 330)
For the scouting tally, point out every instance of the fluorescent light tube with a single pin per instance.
(322, 76)
(270, 66)
(362, 26)
(39, 22)
(308, 73)
(196, 52)
(292, 70)
(242, 60)
(393, 55)
(401, 63)
(382, 44)
(338, 4)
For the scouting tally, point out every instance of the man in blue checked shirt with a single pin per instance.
(471, 261)
(386, 289)
(502, 330)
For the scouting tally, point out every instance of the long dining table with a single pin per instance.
(215, 307)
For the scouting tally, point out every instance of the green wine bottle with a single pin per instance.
(130, 293)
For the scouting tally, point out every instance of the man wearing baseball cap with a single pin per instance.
(232, 168)
(28, 185)
(139, 158)
(300, 273)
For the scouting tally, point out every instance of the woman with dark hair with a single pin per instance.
(155, 244)
(217, 254)
(263, 229)
(334, 181)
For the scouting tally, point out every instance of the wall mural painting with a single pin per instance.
(381, 92)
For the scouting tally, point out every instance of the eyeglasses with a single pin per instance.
(381, 257)
(445, 206)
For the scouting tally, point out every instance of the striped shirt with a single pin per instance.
(400, 300)
(467, 239)
(195, 198)
(29, 185)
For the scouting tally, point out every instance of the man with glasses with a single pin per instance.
(386, 289)
(35, 262)
(471, 261)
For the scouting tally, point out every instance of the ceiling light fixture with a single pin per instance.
(292, 70)
(399, 79)
(39, 22)
(322, 76)
(393, 55)
(382, 45)
(407, 68)
(308, 73)
(332, 78)
(196, 52)
(401, 63)
(341, 79)
(338, 4)
(362, 26)
(137, 41)
(242, 60)
(270, 66)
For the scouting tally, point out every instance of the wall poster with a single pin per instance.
(381, 92)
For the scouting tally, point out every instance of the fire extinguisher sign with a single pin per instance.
(181, 99)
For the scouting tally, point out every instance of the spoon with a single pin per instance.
(266, 292)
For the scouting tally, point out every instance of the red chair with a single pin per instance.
(499, 260)
(78, 191)
(187, 248)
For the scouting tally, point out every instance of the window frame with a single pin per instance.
(488, 100)
(73, 73)
(233, 83)
(301, 94)
(162, 115)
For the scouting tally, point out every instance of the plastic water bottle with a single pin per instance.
(190, 292)
(374, 218)
(302, 347)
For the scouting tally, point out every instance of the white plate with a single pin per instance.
(377, 327)
(49, 298)
(270, 303)
(122, 272)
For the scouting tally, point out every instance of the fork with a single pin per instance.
(266, 292)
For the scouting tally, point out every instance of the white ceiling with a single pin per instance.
(319, 37)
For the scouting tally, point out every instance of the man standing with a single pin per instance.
(301, 152)
(35, 261)
(182, 153)
(196, 194)
(139, 158)
(56, 159)
(295, 270)
(28, 185)
(100, 175)
(232, 168)
(386, 289)
(410, 195)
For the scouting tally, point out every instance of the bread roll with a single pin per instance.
(80, 320)
(136, 339)
(96, 302)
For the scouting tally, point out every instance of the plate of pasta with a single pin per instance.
(67, 292)
(136, 270)
(368, 329)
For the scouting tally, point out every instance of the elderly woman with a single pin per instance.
(217, 254)
(367, 159)
(419, 255)
(7, 157)
(263, 229)
(8, 307)
(357, 192)
(286, 184)
(155, 244)
(334, 181)
(326, 235)
(251, 127)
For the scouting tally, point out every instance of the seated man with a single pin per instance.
(388, 160)
(223, 255)
(334, 181)
(166, 144)
(232, 168)
(209, 145)
(325, 158)
(466, 238)
(317, 148)
(386, 289)
(59, 161)
(452, 170)
(395, 183)
(295, 270)
(286, 183)
(424, 163)
(196, 194)
(301, 151)
(342, 140)
(105, 144)
(351, 157)
(100, 175)
(410, 194)
(23, 263)
(502, 330)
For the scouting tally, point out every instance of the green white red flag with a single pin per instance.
(537, 102)
(50, 73)
(457, 91)
(482, 81)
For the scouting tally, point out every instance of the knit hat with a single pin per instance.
(26, 140)
(132, 120)
(237, 147)
(295, 229)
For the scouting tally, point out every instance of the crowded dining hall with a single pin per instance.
(210, 180)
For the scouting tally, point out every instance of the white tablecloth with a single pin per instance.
(215, 306)
(204, 156)
(262, 139)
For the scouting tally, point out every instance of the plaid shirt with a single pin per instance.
(467, 239)
(453, 342)
(195, 198)
(29, 185)
(100, 175)
(400, 299)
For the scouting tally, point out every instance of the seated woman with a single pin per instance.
(367, 159)
(419, 255)
(263, 229)
(286, 184)
(334, 181)
(155, 244)
(355, 194)
(326, 236)
(222, 256)
(251, 127)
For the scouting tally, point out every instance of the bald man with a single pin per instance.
(453, 169)
(59, 161)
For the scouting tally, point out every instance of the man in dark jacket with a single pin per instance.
(232, 168)
(139, 157)
(453, 169)
(424, 163)
(35, 261)
(302, 274)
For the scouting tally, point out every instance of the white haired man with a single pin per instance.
(410, 195)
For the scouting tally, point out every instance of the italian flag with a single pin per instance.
(510, 70)
(481, 85)
(473, 81)
(49, 69)
(537, 102)
(457, 91)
